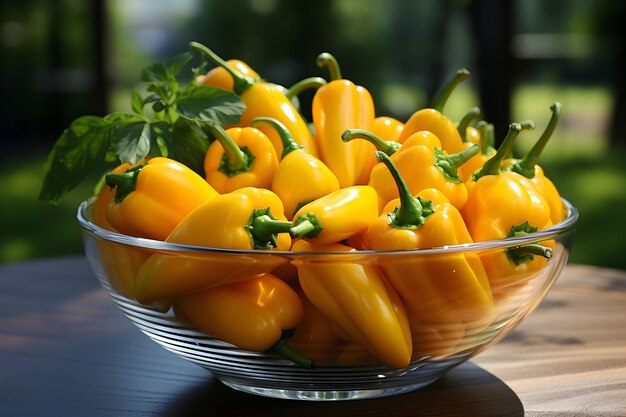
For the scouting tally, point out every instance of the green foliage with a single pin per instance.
(174, 130)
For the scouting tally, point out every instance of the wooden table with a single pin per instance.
(65, 350)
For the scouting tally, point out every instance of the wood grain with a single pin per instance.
(569, 356)
(65, 350)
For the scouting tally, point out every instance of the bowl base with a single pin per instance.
(324, 394)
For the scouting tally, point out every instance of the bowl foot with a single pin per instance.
(323, 394)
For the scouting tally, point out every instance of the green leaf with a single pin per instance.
(80, 149)
(137, 103)
(187, 144)
(166, 72)
(131, 137)
(161, 133)
(210, 104)
(151, 99)
(131, 142)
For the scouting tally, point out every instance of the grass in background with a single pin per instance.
(577, 160)
(31, 228)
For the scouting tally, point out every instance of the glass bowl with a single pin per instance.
(446, 323)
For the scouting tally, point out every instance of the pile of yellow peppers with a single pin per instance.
(349, 181)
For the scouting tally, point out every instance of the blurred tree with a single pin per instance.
(52, 68)
(492, 24)
(608, 25)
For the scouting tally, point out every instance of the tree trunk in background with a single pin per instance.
(617, 137)
(492, 22)
(101, 79)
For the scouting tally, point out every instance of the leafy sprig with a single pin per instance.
(174, 126)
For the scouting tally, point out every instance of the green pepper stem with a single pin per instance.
(124, 183)
(241, 82)
(449, 164)
(237, 161)
(311, 83)
(306, 225)
(535, 249)
(389, 147)
(289, 143)
(327, 60)
(492, 166)
(412, 212)
(487, 137)
(440, 101)
(263, 228)
(526, 166)
(469, 117)
(282, 348)
(527, 125)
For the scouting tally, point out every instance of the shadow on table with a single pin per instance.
(467, 390)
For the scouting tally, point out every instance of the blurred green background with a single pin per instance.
(66, 58)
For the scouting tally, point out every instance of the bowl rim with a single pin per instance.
(95, 231)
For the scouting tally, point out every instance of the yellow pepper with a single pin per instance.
(237, 220)
(152, 198)
(219, 77)
(336, 216)
(355, 297)
(104, 198)
(433, 119)
(337, 106)
(251, 314)
(300, 177)
(120, 264)
(240, 157)
(421, 166)
(315, 335)
(264, 99)
(387, 128)
(529, 168)
(437, 289)
(501, 204)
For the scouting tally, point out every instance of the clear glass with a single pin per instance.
(448, 323)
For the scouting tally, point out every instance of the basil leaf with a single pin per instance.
(187, 144)
(80, 149)
(210, 104)
(161, 133)
(166, 72)
(131, 142)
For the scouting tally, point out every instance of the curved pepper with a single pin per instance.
(265, 100)
(529, 168)
(219, 77)
(230, 221)
(336, 216)
(421, 167)
(151, 199)
(315, 335)
(355, 297)
(438, 290)
(240, 157)
(433, 119)
(501, 204)
(337, 106)
(300, 177)
(251, 314)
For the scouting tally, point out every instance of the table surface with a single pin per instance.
(66, 350)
